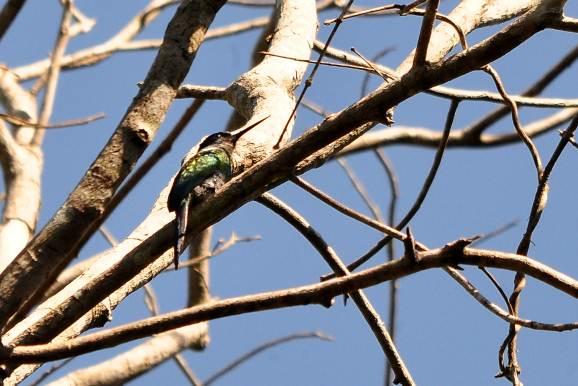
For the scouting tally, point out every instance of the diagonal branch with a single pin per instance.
(8, 14)
(425, 33)
(403, 375)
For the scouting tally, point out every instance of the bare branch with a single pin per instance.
(348, 211)
(311, 294)
(22, 168)
(158, 349)
(138, 360)
(536, 88)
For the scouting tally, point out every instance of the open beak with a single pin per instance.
(241, 132)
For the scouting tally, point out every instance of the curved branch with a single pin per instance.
(459, 138)
(265, 346)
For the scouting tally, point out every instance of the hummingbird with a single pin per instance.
(202, 174)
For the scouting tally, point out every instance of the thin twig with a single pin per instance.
(498, 287)
(360, 189)
(394, 233)
(573, 142)
(263, 347)
(222, 247)
(448, 92)
(496, 232)
(516, 119)
(365, 12)
(309, 80)
(51, 371)
(108, 236)
(322, 63)
(366, 77)
(312, 106)
(394, 189)
(54, 70)
(151, 300)
(68, 123)
(186, 369)
(410, 9)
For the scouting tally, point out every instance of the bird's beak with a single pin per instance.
(241, 132)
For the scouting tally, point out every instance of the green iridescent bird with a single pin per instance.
(202, 174)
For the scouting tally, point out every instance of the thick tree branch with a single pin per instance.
(22, 164)
(24, 280)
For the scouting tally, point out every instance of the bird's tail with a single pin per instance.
(181, 221)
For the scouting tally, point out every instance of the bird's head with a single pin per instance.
(226, 138)
(216, 139)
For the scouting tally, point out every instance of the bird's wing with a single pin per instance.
(194, 172)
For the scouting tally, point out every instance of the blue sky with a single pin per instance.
(445, 337)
